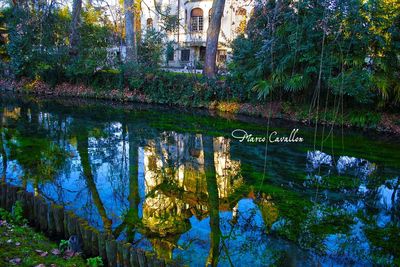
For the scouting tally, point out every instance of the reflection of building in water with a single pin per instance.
(12, 113)
(227, 170)
(175, 183)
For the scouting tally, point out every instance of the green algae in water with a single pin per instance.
(144, 179)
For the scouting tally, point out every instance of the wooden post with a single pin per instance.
(126, 255)
(10, 197)
(36, 211)
(102, 247)
(43, 215)
(87, 239)
(71, 223)
(66, 223)
(150, 259)
(119, 254)
(156, 261)
(3, 195)
(133, 259)
(80, 225)
(55, 220)
(50, 221)
(21, 198)
(111, 249)
(142, 258)
(12, 193)
(29, 204)
(95, 242)
(58, 214)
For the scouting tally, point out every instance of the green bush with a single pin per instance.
(95, 262)
(16, 216)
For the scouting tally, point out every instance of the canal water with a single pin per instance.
(178, 183)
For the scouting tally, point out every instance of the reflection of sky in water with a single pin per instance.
(245, 239)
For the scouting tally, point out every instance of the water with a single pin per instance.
(177, 183)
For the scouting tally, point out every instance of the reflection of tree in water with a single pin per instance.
(213, 200)
(38, 141)
(189, 177)
(131, 221)
(83, 150)
(354, 228)
(40, 158)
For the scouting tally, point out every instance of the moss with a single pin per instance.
(338, 182)
(385, 241)
(29, 241)
(333, 224)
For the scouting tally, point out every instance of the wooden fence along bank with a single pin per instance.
(56, 222)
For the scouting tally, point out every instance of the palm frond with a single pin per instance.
(263, 88)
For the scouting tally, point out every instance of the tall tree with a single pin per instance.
(130, 34)
(83, 151)
(213, 201)
(76, 19)
(213, 30)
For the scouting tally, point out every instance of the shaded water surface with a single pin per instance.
(178, 184)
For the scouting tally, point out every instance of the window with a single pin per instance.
(202, 53)
(170, 56)
(170, 52)
(185, 55)
(149, 23)
(196, 20)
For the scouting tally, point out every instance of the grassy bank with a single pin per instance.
(21, 245)
(185, 93)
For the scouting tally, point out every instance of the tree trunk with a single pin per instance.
(133, 198)
(210, 67)
(131, 221)
(75, 23)
(130, 35)
(213, 202)
(83, 150)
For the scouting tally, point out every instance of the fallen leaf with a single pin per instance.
(18, 244)
(40, 265)
(41, 253)
(56, 251)
(68, 254)
(15, 261)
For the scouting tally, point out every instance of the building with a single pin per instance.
(188, 39)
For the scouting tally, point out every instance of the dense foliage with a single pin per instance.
(38, 43)
(298, 51)
(305, 48)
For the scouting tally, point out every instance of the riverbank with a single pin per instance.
(21, 245)
(363, 119)
(22, 208)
